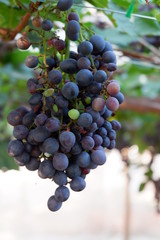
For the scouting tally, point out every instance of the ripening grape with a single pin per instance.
(23, 43)
(98, 104)
(31, 61)
(112, 104)
(37, 21)
(113, 88)
(53, 204)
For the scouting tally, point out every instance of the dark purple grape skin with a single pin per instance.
(84, 77)
(69, 66)
(40, 134)
(109, 57)
(70, 90)
(87, 143)
(60, 161)
(111, 67)
(85, 48)
(64, 5)
(100, 122)
(31, 61)
(50, 145)
(40, 119)
(73, 27)
(108, 47)
(85, 120)
(120, 97)
(53, 204)
(55, 77)
(100, 76)
(83, 159)
(112, 144)
(33, 164)
(52, 124)
(23, 159)
(46, 25)
(62, 193)
(112, 135)
(116, 125)
(73, 55)
(60, 178)
(15, 148)
(35, 99)
(61, 102)
(73, 16)
(107, 125)
(14, 118)
(98, 157)
(76, 149)
(73, 171)
(28, 119)
(22, 110)
(28, 147)
(98, 43)
(92, 128)
(35, 152)
(72, 36)
(67, 139)
(59, 45)
(20, 132)
(30, 138)
(102, 132)
(98, 140)
(107, 114)
(95, 115)
(46, 169)
(77, 184)
(32, 85)
(106, 142)
(95, 87)
(50, 63)
(83, 63)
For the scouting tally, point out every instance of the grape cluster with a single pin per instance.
(66, 130)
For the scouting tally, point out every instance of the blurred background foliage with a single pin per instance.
(136, 41)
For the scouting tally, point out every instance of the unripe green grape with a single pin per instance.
(49, 92)
(73, 114)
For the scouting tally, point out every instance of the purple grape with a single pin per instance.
(15, 148)
(77, 184)
(20, 132)
(60, 161)
(53, 204)
(62, 193)
(98, 157)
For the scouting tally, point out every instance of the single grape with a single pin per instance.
(87, 143)
(14, 118)
(15, 148)
(60, 161)
(73, 170)
(84, 77)
(95, 115)
(113, 88)
(76, 149)
(116, 125)
(83, 159)
(50, 62)
(60, 178)
(62, 193)
(102, 132)
(59, 45)
(28, 119)
(67, 139)
(47, 25)
(40, 119)
(69, 66)
(50, 145)
(112, 144)
(108, 47)
(32, 85)
(23, 43)
(100, 122)
(22, 110)
(40, 134)
(107, 125)
(85, 120)
(72, 36)
(112, 135)
(70, 90)
(85, 48)
(100, 76)
(98, 140)
(98, 43)
(98, 157)
(73, 16)
(120, 97)
(53, 204)
(61, 102)
(77, 184)
(33, 164)
(106, 142)
(20, 132)
(37, 21)
(73, 114)
(31, 61)
(64, 5)
(98, 104)
(109, 57)
(83, 63)
(112, 104)
(23, 159)
(73, 27)
(52, 124)
(95, 87)
(46, 169)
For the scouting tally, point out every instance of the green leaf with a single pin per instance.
(142, 186)
(149, 174)
(101, 3)
(130, 9)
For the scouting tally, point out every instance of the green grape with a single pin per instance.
(73, 114)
